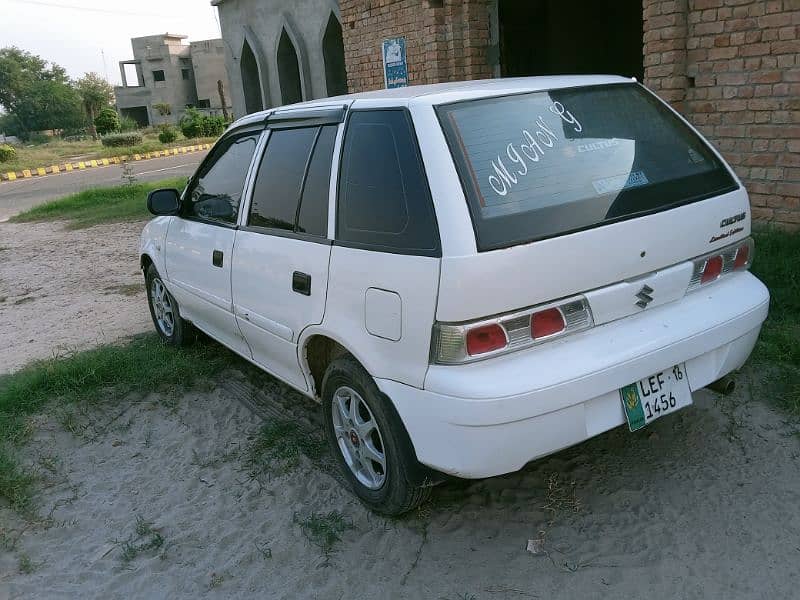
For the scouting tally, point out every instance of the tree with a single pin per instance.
(96, 93)
(37, 95)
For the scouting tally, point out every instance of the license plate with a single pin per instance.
(655, 396)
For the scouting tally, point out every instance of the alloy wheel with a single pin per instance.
(162, 307)
(358, 437)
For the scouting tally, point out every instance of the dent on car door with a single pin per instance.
(200, 242)
(280, 265)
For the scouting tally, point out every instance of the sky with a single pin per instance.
(76, 33)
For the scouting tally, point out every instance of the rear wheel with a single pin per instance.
(369, 440)
(165, 311)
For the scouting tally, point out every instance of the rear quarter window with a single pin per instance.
(384, 203)
(542, 164)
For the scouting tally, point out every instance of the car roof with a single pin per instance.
(438, 93)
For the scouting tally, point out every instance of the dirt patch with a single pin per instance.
(155, 497)
(66, 290)
(128, 289)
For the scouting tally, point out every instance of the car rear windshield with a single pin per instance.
(542, 164)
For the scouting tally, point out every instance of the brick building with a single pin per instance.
(732, 67)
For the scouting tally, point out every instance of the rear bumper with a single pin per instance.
(493, 417)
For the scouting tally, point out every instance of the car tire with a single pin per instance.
(165, 311)
(359, 436)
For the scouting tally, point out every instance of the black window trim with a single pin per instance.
(436, 251)
(239, 131)
(297, 235)
(306, 117)
(458, 159)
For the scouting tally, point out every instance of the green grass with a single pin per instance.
(58, 152)
(323, 529)
(278, 446)
(777, 264)
(99, 205)
(144, 539)
(142, 365)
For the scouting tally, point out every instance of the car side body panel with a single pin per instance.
(414, 279)
(153, 243)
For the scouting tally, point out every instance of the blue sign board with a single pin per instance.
(395, 68)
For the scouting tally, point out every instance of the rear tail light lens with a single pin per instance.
(486, 338)
(457, 343)
(708, 268)
(712, 269)
(742, 260)
(547, 322)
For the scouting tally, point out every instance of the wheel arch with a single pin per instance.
(145, 260)
(317, 348)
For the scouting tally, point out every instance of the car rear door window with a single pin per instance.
(216, 190)
(312, 218)
(384, 202)
(276, 194)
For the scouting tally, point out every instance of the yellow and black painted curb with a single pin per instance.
(99, 162)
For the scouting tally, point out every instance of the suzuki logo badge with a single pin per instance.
(644, 296)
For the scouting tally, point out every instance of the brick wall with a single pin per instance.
(446, 40)
(733, 68)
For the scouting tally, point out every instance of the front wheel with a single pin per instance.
(164, 310)
(369, 440)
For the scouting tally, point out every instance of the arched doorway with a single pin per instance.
(552, 37)
(288, 71)
(333, 54)
(251, 81)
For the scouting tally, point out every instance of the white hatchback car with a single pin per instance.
(468, 276)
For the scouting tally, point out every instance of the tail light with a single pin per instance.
(712, 269)
(708, 268)
(487, 338)
(456, 343)
(547, 322)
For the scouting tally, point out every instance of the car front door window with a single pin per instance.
(216, 191)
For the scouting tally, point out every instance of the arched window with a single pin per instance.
(333, 53)
(251, 80)
(288, 71)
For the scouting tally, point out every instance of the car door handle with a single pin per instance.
(301, 283)
(216, 258)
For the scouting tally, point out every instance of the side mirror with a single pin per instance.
(164, 202)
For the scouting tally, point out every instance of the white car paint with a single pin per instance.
(492, 416)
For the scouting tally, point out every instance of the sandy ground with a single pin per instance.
(700, 504)
(63, 290)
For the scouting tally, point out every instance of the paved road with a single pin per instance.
(22, 194)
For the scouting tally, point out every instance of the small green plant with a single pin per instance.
(106, 121)
(127, 124)
(163, 108)
(216, 581)
(117, 140)
(213, 126)
(145, 538)
(194, 124)
(7, 153)
(26, 565)
(128, 176)
(168, 134)
(323, 530)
